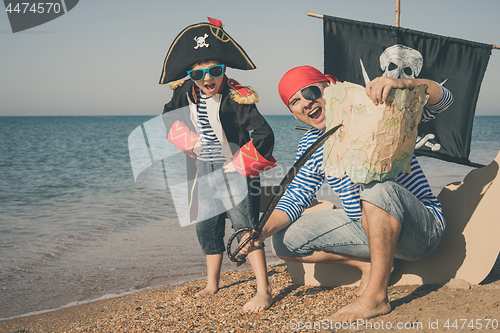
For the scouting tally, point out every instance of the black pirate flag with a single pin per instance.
(360, 51)
(27, 14)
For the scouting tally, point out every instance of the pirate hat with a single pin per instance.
(202, 42)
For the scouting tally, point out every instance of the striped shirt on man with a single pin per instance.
(302, 191)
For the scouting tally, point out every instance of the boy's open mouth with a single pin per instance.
(210, 87)
(315, 113)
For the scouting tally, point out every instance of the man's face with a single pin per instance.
(310, 112)
(209, 85)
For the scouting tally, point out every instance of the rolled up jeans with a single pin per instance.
(334, 232)
(218, 193)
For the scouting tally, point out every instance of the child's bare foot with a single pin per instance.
(260, 302)
(208, 291)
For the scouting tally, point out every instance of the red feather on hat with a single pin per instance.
(215, 21)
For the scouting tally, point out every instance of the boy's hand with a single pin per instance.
(197, 147)
(229, 167)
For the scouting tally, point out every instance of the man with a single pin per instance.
(398, 218)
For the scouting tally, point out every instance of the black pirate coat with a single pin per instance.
(238, 116)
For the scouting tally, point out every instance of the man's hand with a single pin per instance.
(277, 221)
(378, 89)
(252, 245)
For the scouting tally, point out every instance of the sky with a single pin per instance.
(106, 57)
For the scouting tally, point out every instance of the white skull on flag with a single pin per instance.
(399, 61)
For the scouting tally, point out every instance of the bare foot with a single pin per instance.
(365, 277)
(208, 291)
(260, 302)
(359, 290)
(362, 308)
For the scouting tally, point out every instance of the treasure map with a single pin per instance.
(376, 142)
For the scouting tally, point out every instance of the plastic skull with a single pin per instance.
(399, 61)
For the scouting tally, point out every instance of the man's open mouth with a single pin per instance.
(315, 113)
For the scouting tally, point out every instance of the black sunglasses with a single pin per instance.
(311, 93)
(214, 71)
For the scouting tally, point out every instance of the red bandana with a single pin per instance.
(299, 77)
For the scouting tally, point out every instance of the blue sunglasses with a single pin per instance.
(214, 71)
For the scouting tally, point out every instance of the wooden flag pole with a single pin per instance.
(398, 12)
(320, 16)
(316, 15)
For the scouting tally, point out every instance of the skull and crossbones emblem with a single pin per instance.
(399, 61)
(200, 41)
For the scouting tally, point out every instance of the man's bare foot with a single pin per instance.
(362, 308)
(260, 302)
(365, 277)
(208, 291)
(359, 290)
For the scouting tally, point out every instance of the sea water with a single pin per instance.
(75, 227)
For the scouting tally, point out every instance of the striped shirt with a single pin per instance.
(212, 148)
(302, 191)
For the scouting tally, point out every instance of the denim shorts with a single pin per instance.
(218, 193)
(333, 231)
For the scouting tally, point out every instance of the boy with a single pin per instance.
(214, 133)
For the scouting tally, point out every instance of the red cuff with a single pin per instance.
(181, 137)
(249, 162)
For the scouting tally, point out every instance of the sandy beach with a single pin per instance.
(429, 308)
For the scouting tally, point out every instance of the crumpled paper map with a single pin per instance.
(376, 142)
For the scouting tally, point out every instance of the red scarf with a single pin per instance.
(299, 77)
